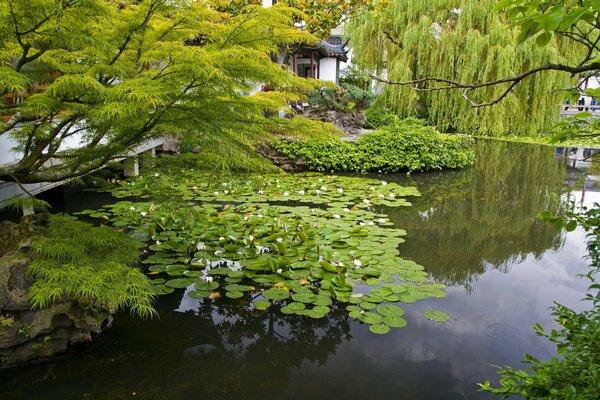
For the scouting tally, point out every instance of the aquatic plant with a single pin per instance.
(93, 266)
(301, 241)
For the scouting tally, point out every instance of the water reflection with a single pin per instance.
(475, 228)
(223, 350)
(484, 217)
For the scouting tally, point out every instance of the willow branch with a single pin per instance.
(512, 81)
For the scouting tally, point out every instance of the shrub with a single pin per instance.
(376, 117)
(407, 146)
(93, 266)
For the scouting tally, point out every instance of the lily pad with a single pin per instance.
(276, 294)
(379, 329)
(436, 316)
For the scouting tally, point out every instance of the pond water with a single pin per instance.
(474, 230)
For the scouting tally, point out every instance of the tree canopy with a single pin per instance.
(85, 81)
(458, 54)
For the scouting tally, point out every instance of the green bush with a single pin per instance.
(407, 146)
(93, 266)
(376, 117)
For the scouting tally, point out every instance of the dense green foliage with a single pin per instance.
(93, 266)
(575, 373)
(301, 244)
(406, 146)
(110, 75)
(462, 41)
(376, 117)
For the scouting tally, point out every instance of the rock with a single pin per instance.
(14, 283)
(33, 336)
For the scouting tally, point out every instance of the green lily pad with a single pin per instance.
(436, 316)
(276, 294)
(262, 304)
(180, 283)
(394, 321)
(234, 295)
(390, 310)
(379, 329)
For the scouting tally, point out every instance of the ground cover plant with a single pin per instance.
(93, 266)
(297, 242)
(406, 145)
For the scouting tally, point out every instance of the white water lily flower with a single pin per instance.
(224, 183)
(286, 194)
(259, 215)
(279, 240)
(216, 193)
(392, 195)
(156, 174)
(317, 191)
(200, 246)
(195, 188)
(366, 201)
(341, 264)
(371, 188)
(381, 196)
(337, 216)
(131, 208)
(384, 183)
(245, 218)
(226, 191)
(346, 209)
(217, 252)
(260, 192)
(279, 271)
(221, 238)
(208, 279)
(340, 190)
(371, 223)
(357, 263)
(251, 238)
(323, 188)
(381, 220)
(301, 192)
(320, 180)
(158, 242)
(361, 224)
(278, 186)
(143, 213)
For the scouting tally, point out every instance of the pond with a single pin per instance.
(473, 230)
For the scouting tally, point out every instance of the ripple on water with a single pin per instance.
(502, 332)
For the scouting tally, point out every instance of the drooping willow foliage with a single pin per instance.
(466, 41)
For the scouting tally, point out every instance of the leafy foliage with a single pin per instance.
(111, 75)
(407, 146)
(376, 117)
(93, 266)
(576, 374)
(304, 242)
(465, 42)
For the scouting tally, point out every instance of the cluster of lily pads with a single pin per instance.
(301, 241)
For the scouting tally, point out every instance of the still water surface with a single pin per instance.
(474, 230)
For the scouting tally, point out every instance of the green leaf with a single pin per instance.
(379, 329)
(543, 39)
(436, 316)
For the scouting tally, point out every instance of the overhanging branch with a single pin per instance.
(422, 84)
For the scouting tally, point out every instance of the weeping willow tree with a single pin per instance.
(84, 82)
(461, 41)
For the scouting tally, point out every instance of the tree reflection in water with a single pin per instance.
(485, 216)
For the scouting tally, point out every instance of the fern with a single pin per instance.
(93, 266)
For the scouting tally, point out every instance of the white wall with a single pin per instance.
(327, 68)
